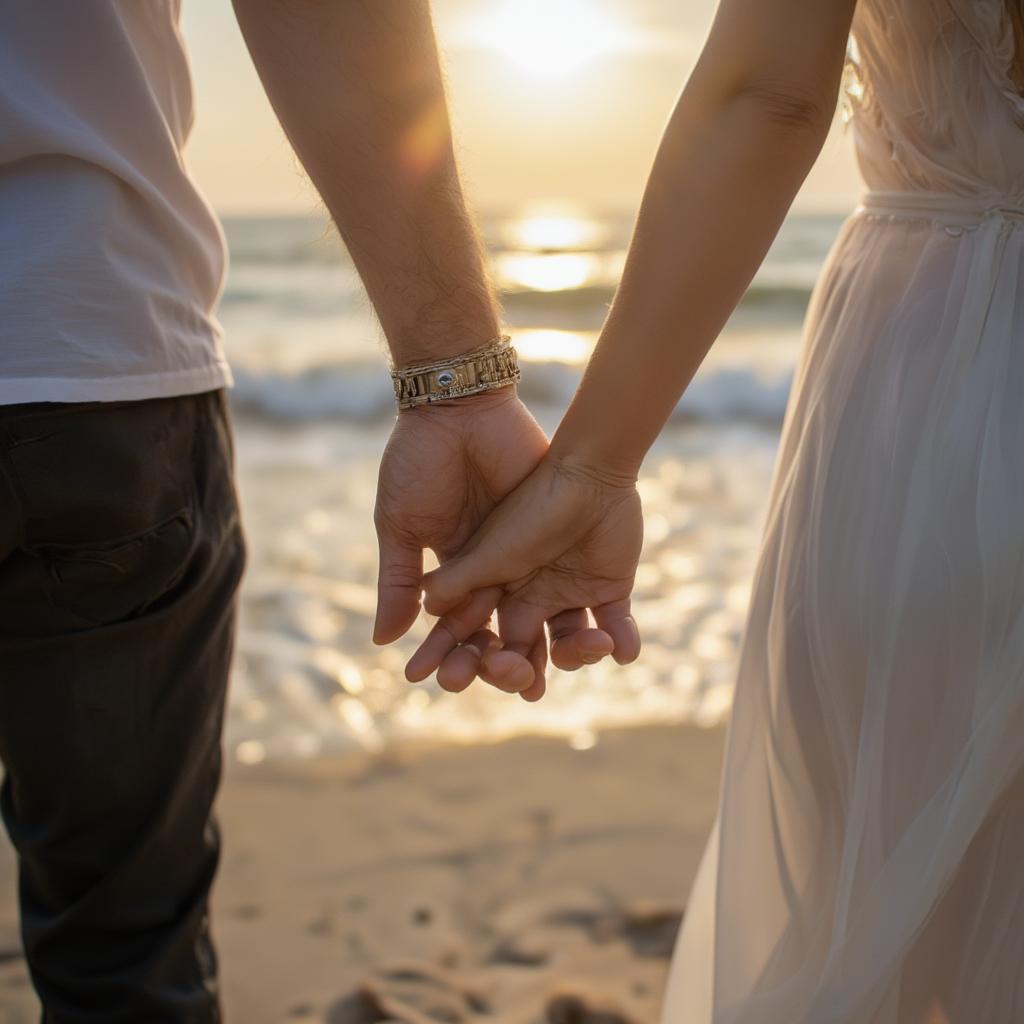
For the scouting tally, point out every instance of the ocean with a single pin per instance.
(313, 407)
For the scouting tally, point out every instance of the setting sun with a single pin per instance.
(552, 227)
(547, 39)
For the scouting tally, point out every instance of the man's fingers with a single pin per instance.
(520, 626)
(506, 670)
(461, 666)
(615, 619)
(398, 588)
(574, 643)
(538, 658)
(514, 666)
(450, 631)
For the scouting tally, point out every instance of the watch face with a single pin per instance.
(453, 379)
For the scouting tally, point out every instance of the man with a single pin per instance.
(120, 542)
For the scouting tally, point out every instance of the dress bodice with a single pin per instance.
(931, 92)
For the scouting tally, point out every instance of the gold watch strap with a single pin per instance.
(495, 365)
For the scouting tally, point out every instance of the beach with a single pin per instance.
(520, 882)
(313, 407)
(396, 853)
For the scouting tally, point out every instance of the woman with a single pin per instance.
(865, 864)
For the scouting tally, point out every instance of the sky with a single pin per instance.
(552, 100)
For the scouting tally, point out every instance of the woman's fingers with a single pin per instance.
(574, 643)
(450, 631)
(615, 619)
(482, 564)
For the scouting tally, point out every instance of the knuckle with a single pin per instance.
(400, 577)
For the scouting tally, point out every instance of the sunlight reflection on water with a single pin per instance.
(314, 406)
(308, 681)
(554, 228)
(548, 272)
(544, 346)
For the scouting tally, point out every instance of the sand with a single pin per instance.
(515, 883)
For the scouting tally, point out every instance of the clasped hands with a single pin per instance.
(530, 532)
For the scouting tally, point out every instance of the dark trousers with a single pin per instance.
(120, 557)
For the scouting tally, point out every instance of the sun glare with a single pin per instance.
(555, 231)
(554, 272)
(542, 345)
(549, 38)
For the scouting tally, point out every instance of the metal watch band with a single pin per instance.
(494, 366)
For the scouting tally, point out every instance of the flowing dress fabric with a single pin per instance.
(866, 865)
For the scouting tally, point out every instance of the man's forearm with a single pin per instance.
(357, 86)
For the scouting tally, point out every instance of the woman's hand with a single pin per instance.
(567, 539)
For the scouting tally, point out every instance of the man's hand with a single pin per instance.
(565, 540)
(359, 91)
(444, 469)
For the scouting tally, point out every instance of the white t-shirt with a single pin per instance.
(111, 263)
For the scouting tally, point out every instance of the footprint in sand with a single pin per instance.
(572, 1008)
(409, 994)
(358, 1008)
(649, 928)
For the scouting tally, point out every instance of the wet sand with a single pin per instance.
(523, 882)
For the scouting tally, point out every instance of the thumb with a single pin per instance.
(398, 587)
(479, 566)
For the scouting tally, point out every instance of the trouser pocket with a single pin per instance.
(107, 506)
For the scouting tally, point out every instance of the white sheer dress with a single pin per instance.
(867, 862)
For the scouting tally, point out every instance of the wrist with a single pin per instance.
(605, 454)
(430, 343)
(466, 405)
(588, 462)
(454, 348)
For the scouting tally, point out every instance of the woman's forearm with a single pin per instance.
(729, 166)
